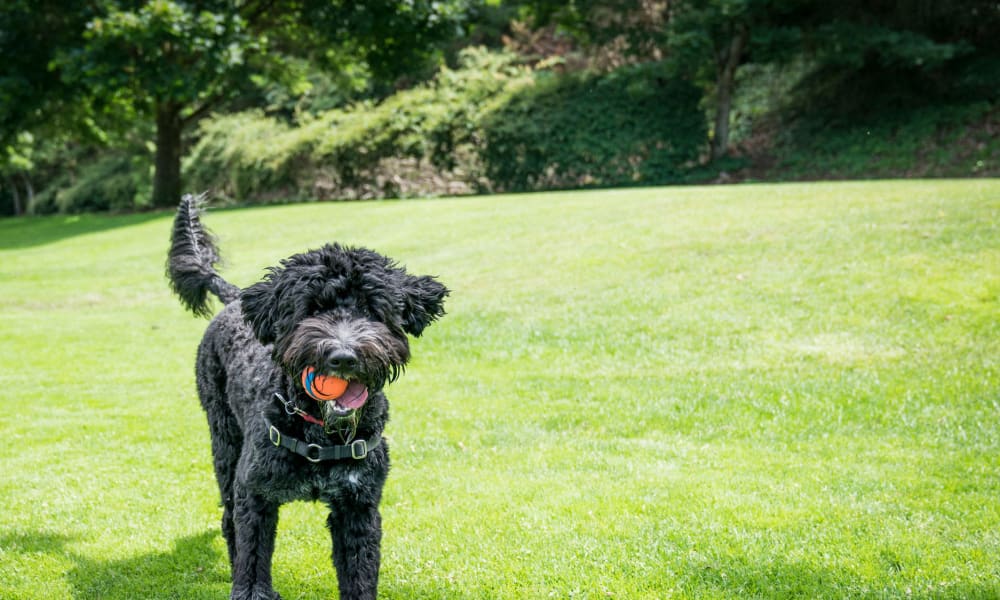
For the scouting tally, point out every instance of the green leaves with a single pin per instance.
(339, 152)
(491, 125)
(161, 52)
(631, 127)
(852, 44)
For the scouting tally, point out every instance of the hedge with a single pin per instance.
(630, 127)
(489, 125)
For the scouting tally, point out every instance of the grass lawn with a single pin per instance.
(725, 392)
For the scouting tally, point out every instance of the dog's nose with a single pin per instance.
(342, 360)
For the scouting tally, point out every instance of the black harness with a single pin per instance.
(358, 449)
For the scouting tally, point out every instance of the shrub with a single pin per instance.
(240, 155)
(489, 124)
(630, 127)
(117, 181)
(413, 143)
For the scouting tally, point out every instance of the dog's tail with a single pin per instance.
(192, 259)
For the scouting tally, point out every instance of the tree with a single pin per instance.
(16, 164)
(708, 40)
(31, 34)
(884, 56)
(165, 60)
(173, 62)
(36, 105)
(704, 41)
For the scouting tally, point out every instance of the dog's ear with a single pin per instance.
(259, 302)
(423, 302)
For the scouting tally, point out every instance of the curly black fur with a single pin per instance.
(344, 311)
(192, 260)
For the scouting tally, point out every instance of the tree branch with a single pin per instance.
(200, 112)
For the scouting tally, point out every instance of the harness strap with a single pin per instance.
(358, 449)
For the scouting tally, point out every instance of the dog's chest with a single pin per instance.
(286, 480)
(339, 482)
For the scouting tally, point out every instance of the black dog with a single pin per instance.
(271, 371)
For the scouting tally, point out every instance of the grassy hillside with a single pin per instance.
(742, 391)
(935, 141)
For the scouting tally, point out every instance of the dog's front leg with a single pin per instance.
(357, 536)
(256, 524)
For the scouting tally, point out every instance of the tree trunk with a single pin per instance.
(728, 61)
(167, 177)
(28, 189)
(16, 196)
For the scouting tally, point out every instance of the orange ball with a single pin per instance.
(322, 387)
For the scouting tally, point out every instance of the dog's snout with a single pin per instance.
(342, 360)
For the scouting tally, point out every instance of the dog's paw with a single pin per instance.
(262, 593)
(258, 592)
(239, 594)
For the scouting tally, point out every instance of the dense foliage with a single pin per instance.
(633, 126)
(913, 49)
(169, 62)
(489, 125)
(102, 102)
(416, 142)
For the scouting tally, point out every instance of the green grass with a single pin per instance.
(747, 391)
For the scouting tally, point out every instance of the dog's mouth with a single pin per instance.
(338, 397)
(341, 414)
(353, 398)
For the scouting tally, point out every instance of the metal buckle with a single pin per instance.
(289, 406)
(274, 435)
(355, 453)
(312, 453)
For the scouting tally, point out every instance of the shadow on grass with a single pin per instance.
(192, 569)
(27, 232)
(196, 569)
(34, 543)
